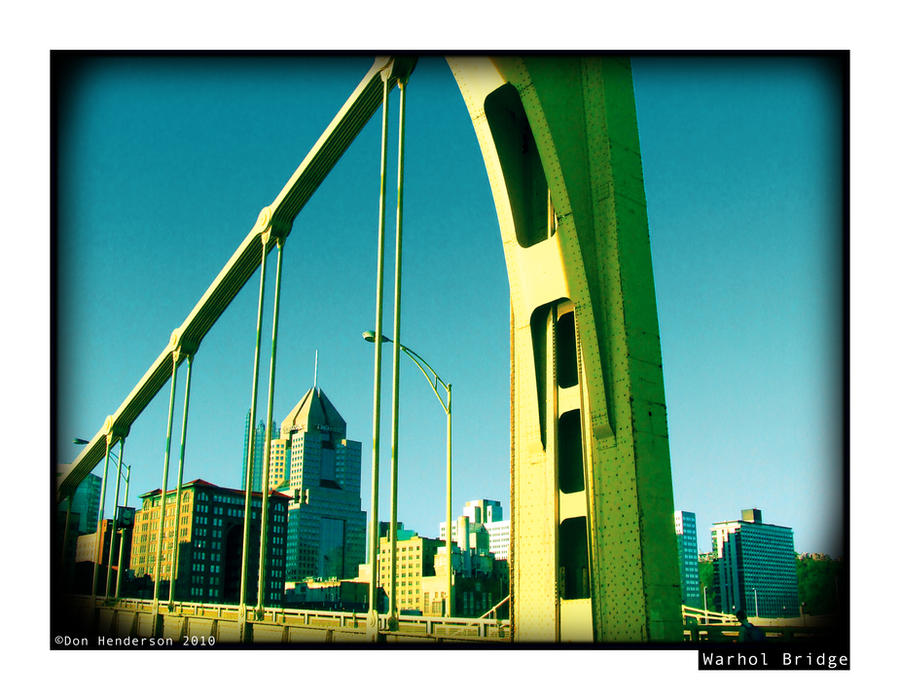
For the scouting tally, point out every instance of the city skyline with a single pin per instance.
(734, 373)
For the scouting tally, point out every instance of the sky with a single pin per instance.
(165, 163)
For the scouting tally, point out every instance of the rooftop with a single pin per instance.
(314, 412)
(206, 484)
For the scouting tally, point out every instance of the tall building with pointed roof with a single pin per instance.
(326, 524)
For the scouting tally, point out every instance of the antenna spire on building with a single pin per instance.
(316, 371)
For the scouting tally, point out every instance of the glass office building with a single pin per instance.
(755, 567)
(688, 562)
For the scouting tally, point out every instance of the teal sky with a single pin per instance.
(164, 164)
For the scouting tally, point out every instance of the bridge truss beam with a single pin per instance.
(278, 217)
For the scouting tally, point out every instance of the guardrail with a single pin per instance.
(141, 618)
(455, 627)
(709, 626)
(724, 633)
(136, 616)
(707, 617)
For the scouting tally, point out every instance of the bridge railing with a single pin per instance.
(706, 617)
(773, 633)
(455, 627)
(334, 624)
(710, 626)
(412, 626)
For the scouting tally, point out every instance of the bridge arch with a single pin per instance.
(593, 545)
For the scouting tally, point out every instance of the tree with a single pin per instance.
(821, 584)
(706, 580)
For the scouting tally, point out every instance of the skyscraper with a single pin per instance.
(486, 514)
(326, 534)
(77, 517)
(755, 567)
(483, 511)
(259, 436)
(688, 562)
(86, 503)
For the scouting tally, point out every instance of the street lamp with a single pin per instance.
(705, 607)
(433, 381)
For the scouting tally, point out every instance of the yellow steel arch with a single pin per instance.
(594, 554)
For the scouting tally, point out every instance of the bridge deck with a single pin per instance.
(140, 618)
(132, 617)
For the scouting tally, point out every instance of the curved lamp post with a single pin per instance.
(434, 380)
(705, 607)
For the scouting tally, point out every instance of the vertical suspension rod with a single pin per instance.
(248, 484)
(115, 519)
(173, 576)
(374, 539)
(267, 446)
(395, 395)
(122, 540)
(165, 483)
(65, 539)
(98, 544)
(449, 540)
